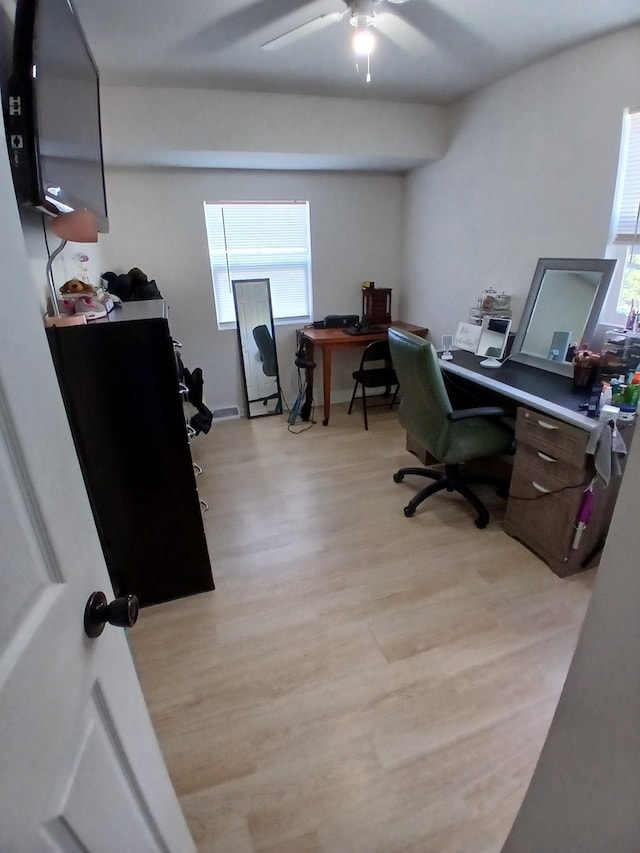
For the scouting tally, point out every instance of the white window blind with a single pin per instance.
(249, 240)
(627, 202)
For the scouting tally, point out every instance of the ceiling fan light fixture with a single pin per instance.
(364, 41)
(360, 21)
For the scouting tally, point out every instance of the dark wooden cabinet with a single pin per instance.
(119, 382)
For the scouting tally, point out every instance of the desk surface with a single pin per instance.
(327, 340)
(335, 337)
(546, 392)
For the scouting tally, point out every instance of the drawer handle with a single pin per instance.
(540, 488)
(547, 425)
(546, 458)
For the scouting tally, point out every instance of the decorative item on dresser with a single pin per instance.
(119, 383)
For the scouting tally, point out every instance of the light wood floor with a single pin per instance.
(359, 682)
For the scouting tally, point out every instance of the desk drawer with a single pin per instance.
(558, 440)
(544, 522)
(542, 464)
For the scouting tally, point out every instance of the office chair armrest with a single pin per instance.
(477, 412)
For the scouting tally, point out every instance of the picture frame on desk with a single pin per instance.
(467, 336)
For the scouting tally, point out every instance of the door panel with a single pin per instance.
(81, 767)
(99, 760)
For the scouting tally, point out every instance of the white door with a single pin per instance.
(80, 768)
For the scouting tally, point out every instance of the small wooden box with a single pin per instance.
(376, 305)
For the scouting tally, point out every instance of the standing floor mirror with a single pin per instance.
(256, 338)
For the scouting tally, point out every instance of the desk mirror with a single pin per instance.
(256, 338)
(562, 308)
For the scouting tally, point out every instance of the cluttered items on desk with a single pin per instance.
(350, 324)
(488, 340)
(364, 328)
(491, 304)
(613, 396)
(337, 321)
(376, 313)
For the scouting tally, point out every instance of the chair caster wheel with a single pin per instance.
(481, 523)
(409, 511)
(398, 477)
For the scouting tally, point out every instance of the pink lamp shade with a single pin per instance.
(79, 226)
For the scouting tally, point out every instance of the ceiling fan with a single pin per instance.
(365, 16)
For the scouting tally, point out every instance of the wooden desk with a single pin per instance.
(328, 340)
(540, 389)
(551, 468)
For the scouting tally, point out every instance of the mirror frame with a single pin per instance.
(604, 266)
(268, 321)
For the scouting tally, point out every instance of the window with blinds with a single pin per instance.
(626, 213)
(249, 240)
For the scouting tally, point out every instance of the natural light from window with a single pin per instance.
(249, 240)
(625, 241)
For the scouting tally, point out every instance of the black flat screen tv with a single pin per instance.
(53, 113)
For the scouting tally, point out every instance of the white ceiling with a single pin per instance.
(216, 44)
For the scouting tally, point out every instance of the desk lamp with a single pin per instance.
(79, 226)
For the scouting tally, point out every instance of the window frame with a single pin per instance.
(222, 276)
(624, 240)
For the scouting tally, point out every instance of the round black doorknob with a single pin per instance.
(122, 612)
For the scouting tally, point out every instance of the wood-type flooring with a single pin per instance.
(358, 682)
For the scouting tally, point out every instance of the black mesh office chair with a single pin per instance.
(381, 376)
(267, 352)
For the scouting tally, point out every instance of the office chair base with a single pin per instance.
(449, 478)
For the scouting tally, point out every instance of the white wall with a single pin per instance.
(157, 224)
(217, 129)
(530, 173)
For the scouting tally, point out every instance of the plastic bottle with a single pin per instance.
(616, 394)
(633, 390)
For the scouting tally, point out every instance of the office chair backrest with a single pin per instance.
(425, 403)
(267, 350)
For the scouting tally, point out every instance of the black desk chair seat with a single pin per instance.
(381, 376)
(267, 352)
(452, 437)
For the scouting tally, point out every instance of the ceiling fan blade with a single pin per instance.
(231, 28)
(303, 30)
(404, 34)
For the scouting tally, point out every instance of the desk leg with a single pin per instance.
(326, 383)
(307, 403)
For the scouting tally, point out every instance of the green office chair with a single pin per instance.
(452, 437)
